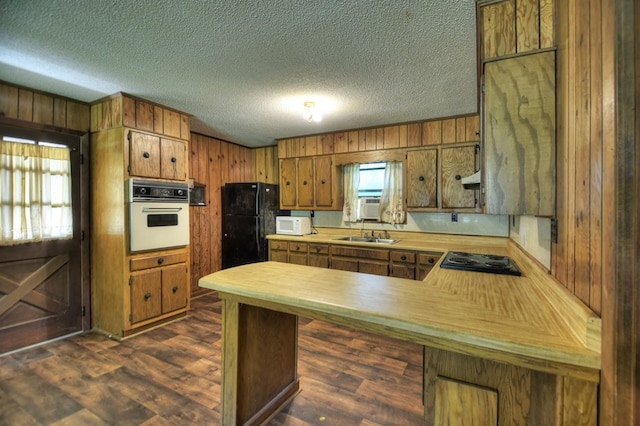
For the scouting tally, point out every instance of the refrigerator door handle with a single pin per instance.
(258, 235)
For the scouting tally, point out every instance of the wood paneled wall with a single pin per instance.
(597, 252)
(213, 162)
(464, 128)
(40, 108)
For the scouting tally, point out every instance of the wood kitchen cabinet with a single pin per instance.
(519, 137)
(310, 183)
(402, 264)
(318, 255)
(298, 253)
(156, 157)
(426, 262)
(278, 251)
(158, 285)
(422, 178)
(458, 162)
(131, 137)
(359, 259)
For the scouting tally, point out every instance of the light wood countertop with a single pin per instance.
(529, 321)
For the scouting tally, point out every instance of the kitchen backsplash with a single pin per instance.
(534, 235)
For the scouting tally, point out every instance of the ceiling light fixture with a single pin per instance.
(310, 113)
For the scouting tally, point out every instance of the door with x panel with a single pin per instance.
(42, 288)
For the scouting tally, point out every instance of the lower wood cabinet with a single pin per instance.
(379, 261)
(158, 285)
(426, 261)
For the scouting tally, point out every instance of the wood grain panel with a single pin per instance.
(341, 142)
(144, 115)
(520, 149)
(327, 141)
(457, 163)
(25, 105)
(42, 109)
(527, 25)
(449, 130)
(8, 101)
(497, 29)
(422, 178)
(432, 132)
(310, 146)
(158, 119)
(171, 123)
(547, 28)
(414, 134)
(472, 128)
(391, 138)
(354, 141)
(457, 403)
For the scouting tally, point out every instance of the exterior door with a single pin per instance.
(44, 288)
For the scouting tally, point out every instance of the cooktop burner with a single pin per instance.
(480, 263)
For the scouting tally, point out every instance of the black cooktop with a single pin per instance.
(480, 263)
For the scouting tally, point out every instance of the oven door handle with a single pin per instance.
(161, 209)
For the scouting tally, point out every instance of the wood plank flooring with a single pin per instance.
(171, 376)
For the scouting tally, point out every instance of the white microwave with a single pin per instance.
(290, 225)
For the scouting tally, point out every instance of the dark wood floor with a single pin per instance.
(171, 376)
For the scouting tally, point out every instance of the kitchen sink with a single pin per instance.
(368, 240)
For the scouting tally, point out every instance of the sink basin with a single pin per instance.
(368, 240)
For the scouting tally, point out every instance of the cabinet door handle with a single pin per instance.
(175, 289)
(288, 183)
(147, 296)
(174, 159)
(322, 181)
(145, 155)
(421, 178)
(318, 248)
(403, 257)
(431, 260)
(297, 248)
(304, 182)
(458, 177)
(160, 261)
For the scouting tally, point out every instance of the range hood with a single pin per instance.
(473, 181)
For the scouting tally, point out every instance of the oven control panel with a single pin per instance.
(150, 190)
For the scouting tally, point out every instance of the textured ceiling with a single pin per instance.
(243, 69)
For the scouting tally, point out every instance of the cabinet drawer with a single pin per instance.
(318, 249)
(350, 251)
(277, 245)
(403, 256)
(295, 247)
(428, 259)
(156, 260)
(174, 288)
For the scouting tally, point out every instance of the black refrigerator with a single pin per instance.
(249, 213)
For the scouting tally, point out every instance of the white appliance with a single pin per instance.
(158, 215)
(290, 225)
(369, 208)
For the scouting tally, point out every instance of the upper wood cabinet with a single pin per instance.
(309, 183)
(156, 157)
(457, 162)
(422, 178)
(519, 140)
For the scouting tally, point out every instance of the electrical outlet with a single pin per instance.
(454, 217)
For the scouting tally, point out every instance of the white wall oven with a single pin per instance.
(158, 215)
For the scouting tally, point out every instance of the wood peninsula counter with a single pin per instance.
(503, 349)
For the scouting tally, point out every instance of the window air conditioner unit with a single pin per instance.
(369, 208)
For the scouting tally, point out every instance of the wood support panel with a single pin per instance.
(259, 356)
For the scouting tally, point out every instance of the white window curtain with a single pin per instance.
(35, 191)
(391, 206)
(351, 181)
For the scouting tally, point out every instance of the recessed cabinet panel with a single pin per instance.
(144, 155)
(422, 178)
(457, 163)
(288, 176)
(174, 288)
(305, 182)
(456, 403)
(146, 295)
(520, 162)
(324, 185)
(172, 159)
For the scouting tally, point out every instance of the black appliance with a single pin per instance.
(249, 213)
(480, 263)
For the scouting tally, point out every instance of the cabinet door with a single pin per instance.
(373, 267)
(174, 288)
(298, 253)
(457, 163)
(146, 295)
(288, 195)
(305, 181)
(520, 135)
(324, 184)
(457, 402)
(425, 264)
(344, 264)
(173, 159)
(318, 255)
(422, 175)
(144, 155)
